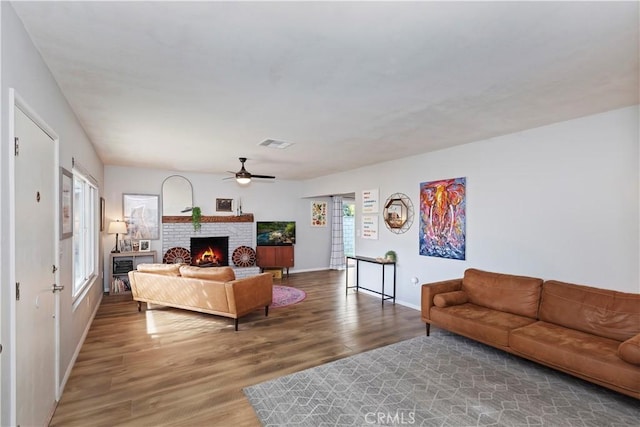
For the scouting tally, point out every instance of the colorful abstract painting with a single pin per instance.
(443, 218)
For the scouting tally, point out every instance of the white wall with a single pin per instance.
(22, 68)
(276, 200)
(556, 202)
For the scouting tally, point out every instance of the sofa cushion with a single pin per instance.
(629, 351)
(575, 351)
(220, 274)
(450, 298)
(602, 312)
(164, 269)
(504, 292)
(478, 322)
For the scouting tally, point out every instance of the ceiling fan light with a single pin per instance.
(243, 180)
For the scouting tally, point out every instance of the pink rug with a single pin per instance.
(286, 295)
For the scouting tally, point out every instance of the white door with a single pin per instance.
(35, 237)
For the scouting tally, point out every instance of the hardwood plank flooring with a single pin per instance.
(174, 367)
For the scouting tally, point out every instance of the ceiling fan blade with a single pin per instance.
(245, 175)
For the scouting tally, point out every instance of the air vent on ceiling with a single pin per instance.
(272, 143)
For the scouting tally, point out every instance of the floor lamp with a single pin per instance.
(117, 227)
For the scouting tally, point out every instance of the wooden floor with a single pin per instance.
(174, 367)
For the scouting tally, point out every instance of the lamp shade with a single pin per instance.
(117, 227)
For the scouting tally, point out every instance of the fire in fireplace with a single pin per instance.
(210, 251)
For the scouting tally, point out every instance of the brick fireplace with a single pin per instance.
(177, 231)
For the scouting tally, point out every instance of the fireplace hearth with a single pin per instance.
(210, 251)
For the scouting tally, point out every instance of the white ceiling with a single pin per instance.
(192, 86)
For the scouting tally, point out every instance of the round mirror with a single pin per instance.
(395, 213)
(398, 213)
(177, 196)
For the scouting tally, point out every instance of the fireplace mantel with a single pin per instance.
(208, 219)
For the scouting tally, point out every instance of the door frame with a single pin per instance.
(16, 101)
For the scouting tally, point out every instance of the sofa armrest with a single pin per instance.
(132, 283)
(247, 294)
(629, 350)
(430, 290)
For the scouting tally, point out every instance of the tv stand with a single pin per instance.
(275, 256)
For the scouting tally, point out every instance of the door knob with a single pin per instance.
(56, 288)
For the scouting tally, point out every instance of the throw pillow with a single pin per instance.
(448, 299)
(629, 350)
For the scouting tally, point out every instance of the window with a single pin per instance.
(349, 227)
(85, 232)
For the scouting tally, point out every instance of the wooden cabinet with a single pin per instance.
(120, 264)
(275, 256)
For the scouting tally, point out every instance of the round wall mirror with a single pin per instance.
(398, 213)
(395, 213)
(177, 196)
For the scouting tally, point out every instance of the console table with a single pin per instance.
(383, 264)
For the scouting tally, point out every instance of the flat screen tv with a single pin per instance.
(275, 233)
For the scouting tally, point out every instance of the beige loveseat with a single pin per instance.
(212, 290)
(591, 333)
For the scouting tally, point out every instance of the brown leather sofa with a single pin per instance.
(587, 332)
(212, 290)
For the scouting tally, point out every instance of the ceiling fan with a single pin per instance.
(244, 177)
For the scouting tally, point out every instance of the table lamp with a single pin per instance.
(117, 227)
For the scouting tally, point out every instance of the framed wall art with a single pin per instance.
(145, 245)
(125, 245)
(443, 218)
(370, 201)
(224, 205)
(318, 214)
(369, 227)
(141, 213)
(66, 204)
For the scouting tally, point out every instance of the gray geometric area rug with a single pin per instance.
(441, 380)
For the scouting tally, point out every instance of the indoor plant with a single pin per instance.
(391, 256)
(196, 217)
